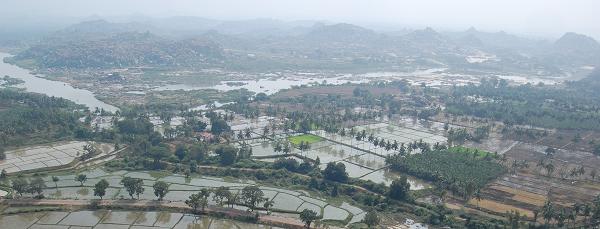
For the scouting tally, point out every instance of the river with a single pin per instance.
(51, 88)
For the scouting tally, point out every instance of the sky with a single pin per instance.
(540, 18)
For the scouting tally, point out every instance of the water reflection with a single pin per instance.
(51, 88)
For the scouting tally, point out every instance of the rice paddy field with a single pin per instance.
(386, 131)
(106, 219)
(365, 161)
(46, 156)
(181, 188)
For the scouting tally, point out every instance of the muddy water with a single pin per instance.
(51, 88)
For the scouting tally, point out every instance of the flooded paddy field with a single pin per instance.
(181, 188)
(359, 163)
(391, 132)
(46, 156)
(100, 219)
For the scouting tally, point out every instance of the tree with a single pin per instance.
(3, 174)
(81, 178)
(198, 152)
(20, 185)
(399, 189)
(227, 154)
(219, 126)
(100, 188)
(2, 154)
(247, 133)
(220, 194)
(134, 186)
(335, 172)
(252, 196)
(549, 168)
(37, 185)
(180, 152)
(232, 199)
(514, 218)
(550, 151)
(308, 216)
(371, 219)
(548, 211)
(204, 194)
(55, 179)
(268, 204)
(157, 153)
(161, 189)
(194, 201)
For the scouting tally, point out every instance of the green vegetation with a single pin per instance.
(481, 154)
(308, 216)
(134, 186)
(543, 106)
(28, 118)
(81, 178)
(252, 196)
(399, 189)
(460, 172)
(371, 219)
(335, 172)
(161, 189)
(308, 138)
(100, 188)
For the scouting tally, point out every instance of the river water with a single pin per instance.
(51, 88)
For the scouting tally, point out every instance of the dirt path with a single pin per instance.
(153, 204)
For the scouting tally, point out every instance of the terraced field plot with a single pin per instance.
(117, 219)
(359, 164)
(45, 156)
(386, 131)
(366, 161)
(181, 188)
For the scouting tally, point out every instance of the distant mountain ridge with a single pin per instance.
(190, 41)
(124, 49)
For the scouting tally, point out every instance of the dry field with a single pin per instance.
(529, 188)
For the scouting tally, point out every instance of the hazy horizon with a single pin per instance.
(535, 18)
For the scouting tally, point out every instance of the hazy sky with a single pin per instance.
(534, 17)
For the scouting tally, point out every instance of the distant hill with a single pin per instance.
(121, 50)
(576, 43)
(576, 49)
(341, 33)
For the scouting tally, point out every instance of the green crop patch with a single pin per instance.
(308, 138)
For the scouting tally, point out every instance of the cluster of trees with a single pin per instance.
(293, 165)
(544, 106)
(388, 145)
(250, 196)
(323, 112)
(34, 186)
(555, 215)
(460, 172)
(460, 135)
(335, 172)
(32, 118)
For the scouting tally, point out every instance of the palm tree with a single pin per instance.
(549, 168)
(548, 212)
(536, 213)
(478, 197)
(248, 132)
